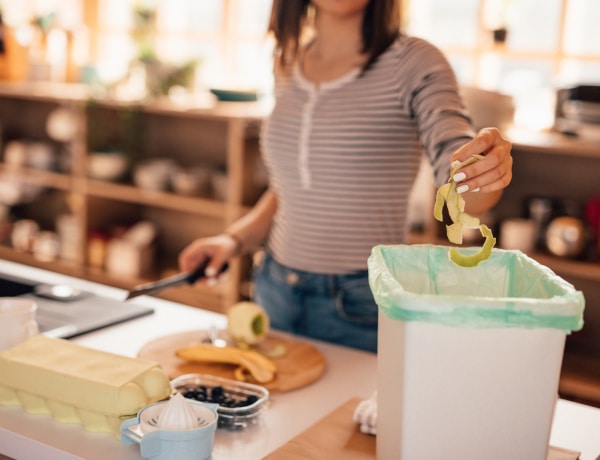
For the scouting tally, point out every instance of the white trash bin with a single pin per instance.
(469, 359)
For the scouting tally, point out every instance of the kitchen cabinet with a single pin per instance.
(221, 137)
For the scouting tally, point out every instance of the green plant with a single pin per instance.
(143, 32)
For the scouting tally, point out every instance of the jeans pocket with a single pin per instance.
(355, 302)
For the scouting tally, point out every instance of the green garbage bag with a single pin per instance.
(419, 283)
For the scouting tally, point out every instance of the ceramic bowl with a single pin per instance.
(109, 166)
(191, 182)
(154, 174)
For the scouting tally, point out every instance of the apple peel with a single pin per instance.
(455, 203)
(474, 259)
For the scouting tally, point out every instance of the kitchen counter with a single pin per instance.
(552, 142)
(349, 373)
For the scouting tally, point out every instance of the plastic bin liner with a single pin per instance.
(419, 283)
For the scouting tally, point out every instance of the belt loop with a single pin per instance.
(267, 262)
(332, 287)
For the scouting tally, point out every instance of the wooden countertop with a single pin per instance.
(25, 436)
(553, 143)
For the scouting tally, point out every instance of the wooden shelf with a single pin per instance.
(202, 296)
(571, 268)
(207, 297)
(122, 192)
(51, 179)
(552, 143)
(165, 200)
(205, 106)
(25, 258)
(45, 91)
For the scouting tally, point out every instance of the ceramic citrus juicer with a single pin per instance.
(175, 429)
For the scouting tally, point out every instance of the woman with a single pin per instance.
(357, 105)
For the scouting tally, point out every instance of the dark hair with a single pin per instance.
(381, 26)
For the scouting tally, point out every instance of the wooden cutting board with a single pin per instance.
(338, 436)
(301, 364)
(334, 436)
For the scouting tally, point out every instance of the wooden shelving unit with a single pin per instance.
(221, 135)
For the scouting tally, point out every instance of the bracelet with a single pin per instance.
(239, 244)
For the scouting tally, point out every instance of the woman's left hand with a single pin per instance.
(490, 175)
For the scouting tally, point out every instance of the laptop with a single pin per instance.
(65, 314)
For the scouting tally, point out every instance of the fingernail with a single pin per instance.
(462, 189)
(210, 272)
(454, 163)
(459, 176)
(476, 190)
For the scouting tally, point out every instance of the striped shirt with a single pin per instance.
(343, 155)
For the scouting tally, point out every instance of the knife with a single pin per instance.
(171, 281)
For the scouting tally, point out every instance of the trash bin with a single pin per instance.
(469, 359)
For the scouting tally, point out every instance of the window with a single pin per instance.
(548, 44)
(227, 37)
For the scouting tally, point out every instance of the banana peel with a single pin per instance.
(251, 364)
(455, 203)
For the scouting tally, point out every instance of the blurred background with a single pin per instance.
(522, 48)
(130, 127)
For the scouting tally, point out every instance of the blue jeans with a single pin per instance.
(333, 308)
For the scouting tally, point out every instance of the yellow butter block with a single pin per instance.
(77, 384)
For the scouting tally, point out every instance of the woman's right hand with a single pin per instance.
(219, 249)
(247, 232)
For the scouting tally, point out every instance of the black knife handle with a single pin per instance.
(198, 272)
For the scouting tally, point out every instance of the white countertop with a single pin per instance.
(349, 373)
